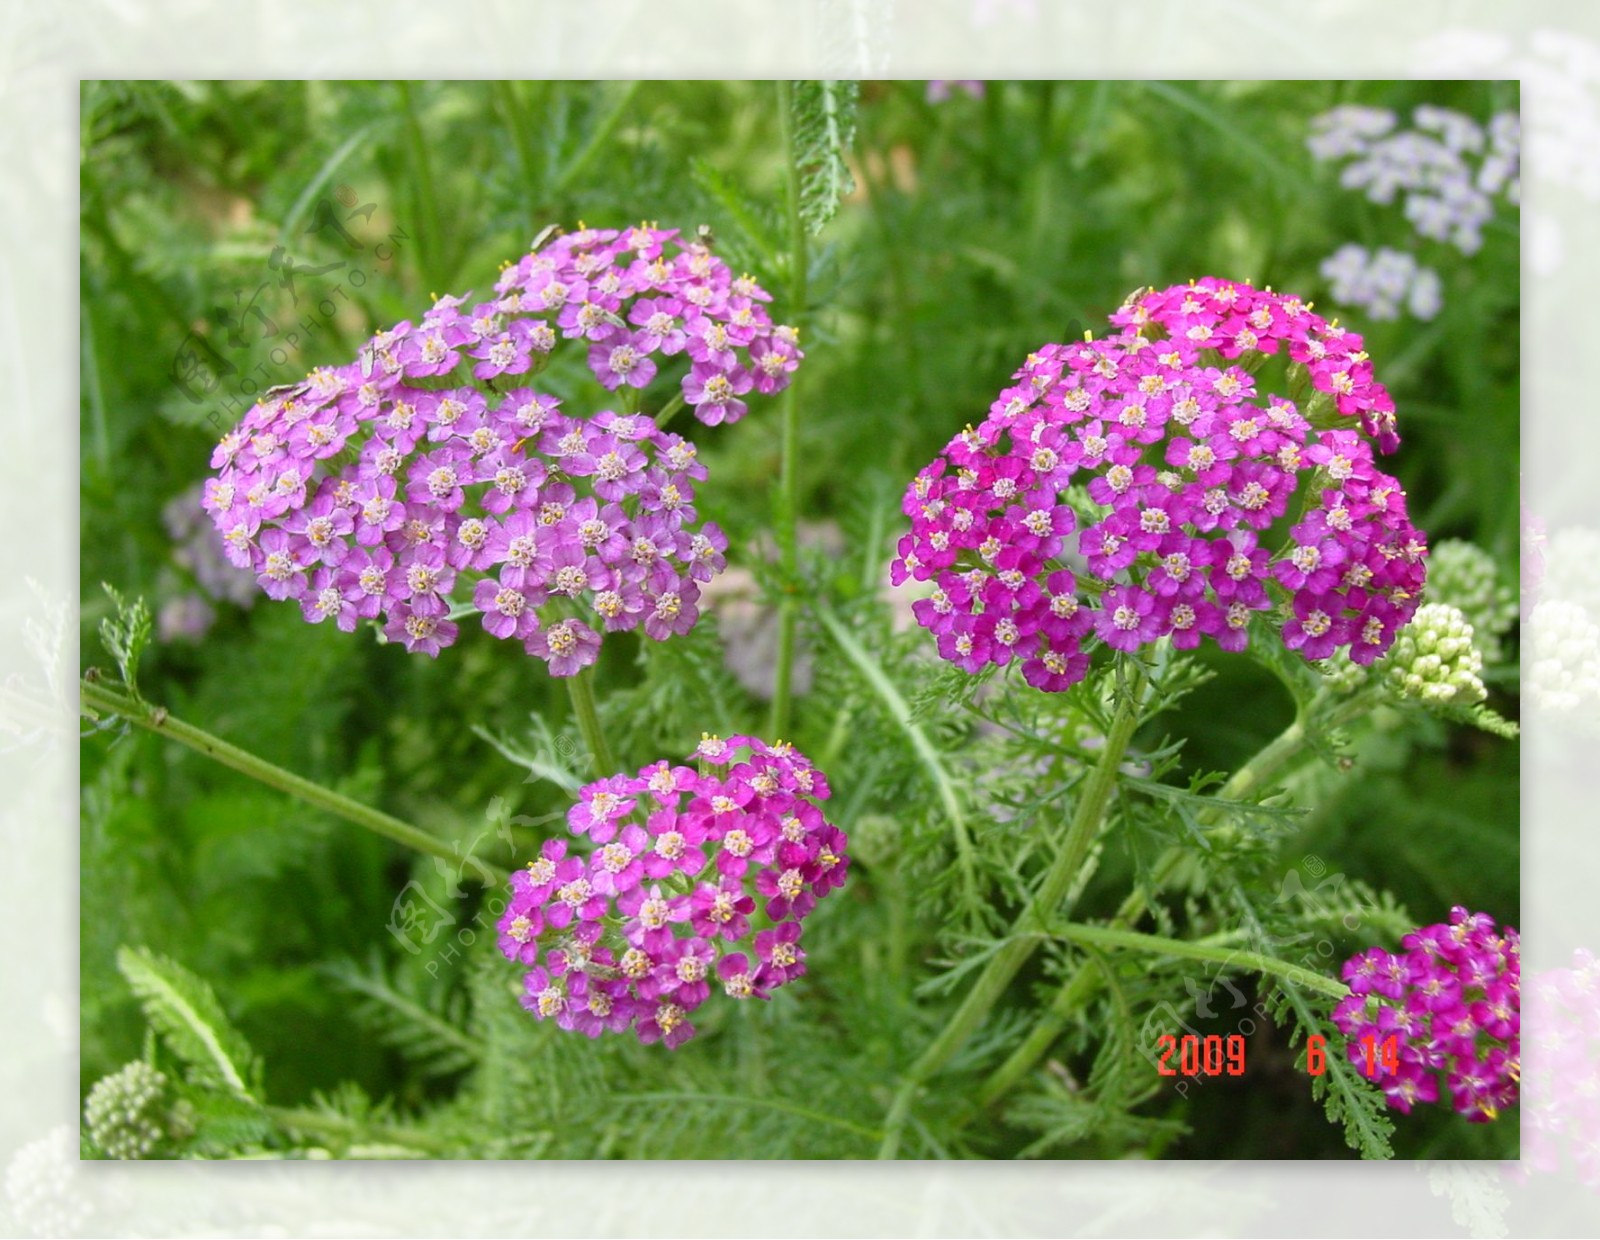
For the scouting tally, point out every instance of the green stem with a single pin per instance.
(597, 140)
(517, 124)
(1296, 975)
(668, 410)
(788, 478)
(101, 698)
(1034, 922)
(432, 233)
(582, 690)
(900, 711)
(1263, 770)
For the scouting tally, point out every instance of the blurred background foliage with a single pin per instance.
(211, 216)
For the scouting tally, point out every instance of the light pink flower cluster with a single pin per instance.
(636, 296)
(698, 876)
(1185, 465)
(1562, 1079)
(375, 490)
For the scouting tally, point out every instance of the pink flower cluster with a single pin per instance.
(698, 876)
(1562, 1098)
(1180, 466)
(637, 295)
(370, 491)
(1451, 1002)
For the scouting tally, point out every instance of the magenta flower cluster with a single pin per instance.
(375, 490)
(1179, 466)
(1451, 1002)
(699, 877)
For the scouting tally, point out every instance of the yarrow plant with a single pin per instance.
(1382, 282)
(375, 490)
(1179, 466)
(698, 877)
(1451, 1002)
(1449, 168)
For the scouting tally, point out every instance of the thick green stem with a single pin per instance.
(1104, 936)
(1033, 925)
(1280, 754)
(582, 690)
(788, 478)
(99, 698)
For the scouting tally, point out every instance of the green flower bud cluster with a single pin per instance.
(1341, 673)
(1433, 659)
(1466, 577)
(122, 1111)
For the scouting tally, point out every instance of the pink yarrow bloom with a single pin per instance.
(637, 934)
(1187, 456)
(1442, 1016)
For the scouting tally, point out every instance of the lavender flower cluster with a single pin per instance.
(1449, 168)
(1451, 1001)
(369, 490)
(1187, 465)
(1382, 282)
(633, 934)
(189, 615)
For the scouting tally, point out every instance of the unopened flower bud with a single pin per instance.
(123, 1111)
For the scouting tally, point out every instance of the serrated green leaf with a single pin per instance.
(126, 634)
(185, 1011)
(425, 1029)
(824, 117)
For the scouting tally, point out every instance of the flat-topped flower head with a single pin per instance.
(1442, 1017)
(642, 296)
(1124, 490)
(399, 490)
(699, 880)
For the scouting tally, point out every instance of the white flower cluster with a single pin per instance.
(42, 1186)
(1382, 282)
(1449, 168)
(1560, 636)
(1466, 576)
(1561, 658)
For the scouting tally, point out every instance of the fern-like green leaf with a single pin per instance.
(824, 127)
(126, 634)
(1485, 719)
(425, 1029)
(185, 1011)
(1349, 1100)
(751, 220)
